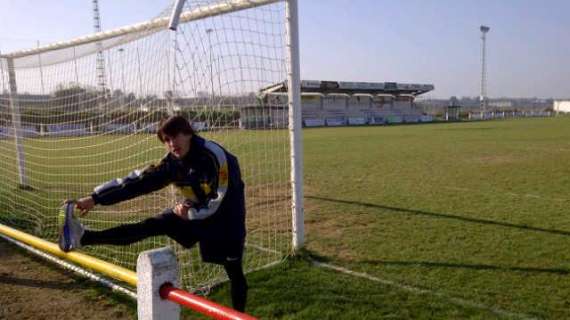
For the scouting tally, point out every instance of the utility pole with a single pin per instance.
(483, 95)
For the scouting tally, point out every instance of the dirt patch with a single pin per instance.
(31, 288)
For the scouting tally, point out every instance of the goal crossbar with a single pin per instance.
(147, 27)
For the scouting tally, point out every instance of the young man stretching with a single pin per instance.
(213, 212)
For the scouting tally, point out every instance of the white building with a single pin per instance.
(501, 104)
(561, 106)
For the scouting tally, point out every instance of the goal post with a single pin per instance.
(61, 133)
(295, 124)
(16, 123)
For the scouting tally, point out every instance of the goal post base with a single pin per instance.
(155, 268)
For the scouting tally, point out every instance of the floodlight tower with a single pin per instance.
(483, 95)
(100, 58)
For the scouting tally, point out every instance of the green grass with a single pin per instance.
(475, 215)
(298, 290)
(477, 211)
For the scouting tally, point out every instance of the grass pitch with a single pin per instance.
(473, 217)
(447, 221)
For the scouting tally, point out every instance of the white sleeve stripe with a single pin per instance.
(107, 186)
(110, 185)
(214, 204)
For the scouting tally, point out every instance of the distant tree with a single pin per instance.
(131, 98)
(203, 94)
(117, 93)
(168, 95)
(73, 98)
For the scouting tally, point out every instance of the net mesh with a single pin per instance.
(76, 134)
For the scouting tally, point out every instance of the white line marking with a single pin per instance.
(512, 194)
(456, 301)
(532, 196)
(457, 188)
(260, 248)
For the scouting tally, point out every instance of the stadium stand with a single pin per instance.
(337, 103)
(61, 130)
(27, 131)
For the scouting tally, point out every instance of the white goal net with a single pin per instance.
(78, 113)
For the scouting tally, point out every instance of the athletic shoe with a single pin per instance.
(71, 230)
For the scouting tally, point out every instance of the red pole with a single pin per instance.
(201, 305)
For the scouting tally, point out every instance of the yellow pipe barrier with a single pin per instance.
(84, 260)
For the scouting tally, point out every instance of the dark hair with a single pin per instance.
(172, 126)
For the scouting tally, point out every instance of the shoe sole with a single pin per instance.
(65, 234)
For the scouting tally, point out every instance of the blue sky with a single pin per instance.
(418, 41)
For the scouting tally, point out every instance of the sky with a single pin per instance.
(412, 41)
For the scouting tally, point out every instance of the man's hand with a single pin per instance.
(84, 205)
(181, 210)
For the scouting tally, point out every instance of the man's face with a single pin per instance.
(178, 145)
